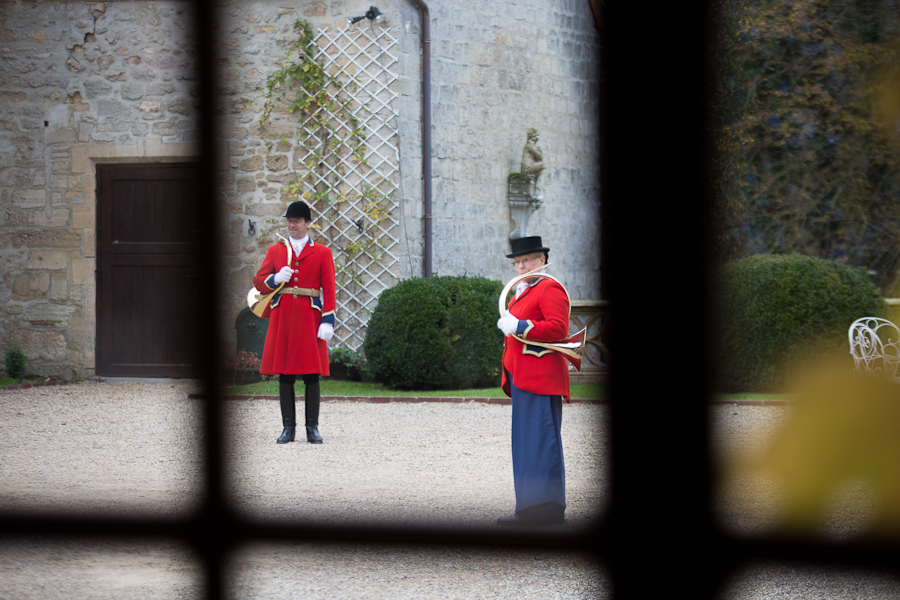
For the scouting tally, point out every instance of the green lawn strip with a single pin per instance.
(6, 381)
(355, 388)
(331, 387)
(752, 396)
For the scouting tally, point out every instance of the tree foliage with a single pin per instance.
(804, 164)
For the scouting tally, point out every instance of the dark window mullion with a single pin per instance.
(654, 196)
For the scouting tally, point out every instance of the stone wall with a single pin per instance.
(83, 83)
(254, 38)
(498, 68)
(80, 83)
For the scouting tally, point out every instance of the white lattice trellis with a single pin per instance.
(353, 193)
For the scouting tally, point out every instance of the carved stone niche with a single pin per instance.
(523, 201)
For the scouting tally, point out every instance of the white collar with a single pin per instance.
(297, 245)
(521, 287)
(524, 285)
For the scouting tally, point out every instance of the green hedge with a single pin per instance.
(436, 333)
(14, 361)
(777, 312)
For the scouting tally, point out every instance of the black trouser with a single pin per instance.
(310, 396)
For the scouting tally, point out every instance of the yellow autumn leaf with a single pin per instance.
(887, 99)
(845, 427)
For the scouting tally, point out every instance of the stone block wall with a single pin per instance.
(254, 38)
(88, 82)
(498, 68)
(80, 83)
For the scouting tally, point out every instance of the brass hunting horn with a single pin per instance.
(573, 346)
(258, 302)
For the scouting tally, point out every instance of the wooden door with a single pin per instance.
(146, 282)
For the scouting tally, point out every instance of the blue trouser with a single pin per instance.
(537, 453)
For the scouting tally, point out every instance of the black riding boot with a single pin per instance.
(312, 399)
(288, 408)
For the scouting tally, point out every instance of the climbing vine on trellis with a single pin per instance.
(344, 159)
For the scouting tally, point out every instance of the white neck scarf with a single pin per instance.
(521, 287)
(297, 245)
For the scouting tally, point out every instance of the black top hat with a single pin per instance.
(298, 210)
(526, 245)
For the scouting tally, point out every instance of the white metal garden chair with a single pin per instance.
(875, 346)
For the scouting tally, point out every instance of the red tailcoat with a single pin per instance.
(543, 313)
(292, 347)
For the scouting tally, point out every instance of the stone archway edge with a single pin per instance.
(85, 156)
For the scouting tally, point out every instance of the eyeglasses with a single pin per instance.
(523, 261)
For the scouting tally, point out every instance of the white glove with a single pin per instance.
(508, 324)
(326, 331)
(284, 275)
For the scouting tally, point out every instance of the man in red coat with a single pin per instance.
(300, 320)
(536, 379)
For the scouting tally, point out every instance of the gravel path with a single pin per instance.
(125, 448)
(438, 463)
(751, 505)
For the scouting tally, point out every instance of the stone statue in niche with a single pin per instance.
(532, 157)
(522, 187)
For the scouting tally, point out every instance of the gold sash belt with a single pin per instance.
(295, 291)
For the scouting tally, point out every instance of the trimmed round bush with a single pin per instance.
(14, 361)
(436, 333)
(776, 312)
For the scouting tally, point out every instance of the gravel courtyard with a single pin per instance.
(133, 447)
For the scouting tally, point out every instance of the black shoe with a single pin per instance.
(548, 513)
(511, 520)
(552, 513)
(286, 436)
(312, 435)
